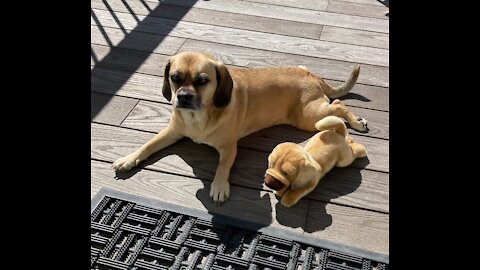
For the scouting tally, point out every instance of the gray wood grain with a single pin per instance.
(219, 18)
(372, 229)
(129, 60)
(356, 37)
(109, 109)
(366, 2)
(138, 85)
(366, 96)
(114, 37)
(245, 204)
(284, 13)
(354, 187)
(346, 186)
(307, 4)
(246, 38)
(326, 68)
(358, 9)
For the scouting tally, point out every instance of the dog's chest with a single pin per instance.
(197, 128)
(201, 138)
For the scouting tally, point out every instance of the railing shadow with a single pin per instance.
(116, 56)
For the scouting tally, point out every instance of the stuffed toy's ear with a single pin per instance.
(308, 170)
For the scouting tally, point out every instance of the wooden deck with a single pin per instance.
(131, 41)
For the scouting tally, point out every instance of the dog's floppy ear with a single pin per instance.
(223, 93)
(167, 92)
(308, 170)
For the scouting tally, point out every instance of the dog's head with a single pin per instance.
(196, 81)
(290, 166)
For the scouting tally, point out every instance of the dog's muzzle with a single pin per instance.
(187, 100)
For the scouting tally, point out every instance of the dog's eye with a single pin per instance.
(201, 81)
(175, 78)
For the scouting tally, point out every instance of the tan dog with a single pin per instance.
(216, 105)
(293, 171)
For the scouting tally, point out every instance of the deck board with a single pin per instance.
(307, 4)
(356, 37)
(129, 60)
(371, 228)
(219, 18)
(366, 96)
(115, 110)
(286, 13)
(377, 3)
(358, 9)
(113, 37)
(247, 38)
(132, 41)
(326, 68)
(138, 85)
(247, 57)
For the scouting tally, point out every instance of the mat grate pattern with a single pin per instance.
(126, 235)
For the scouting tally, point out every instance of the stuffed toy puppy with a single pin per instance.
(294, 171)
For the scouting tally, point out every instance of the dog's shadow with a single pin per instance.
(246, 202)
(250, 199)
(355, 96)
(335, 184)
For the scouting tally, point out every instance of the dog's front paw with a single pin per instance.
(219, 191)
(126, 163)
(361, 125)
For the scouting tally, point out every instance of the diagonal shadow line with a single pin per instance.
(120, 25)
(105, 35)
(131, 11)
(146, 6)
(94, 56)
(113, 55)
(385, 2)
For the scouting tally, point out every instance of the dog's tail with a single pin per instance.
(332, 122)
(344, 88)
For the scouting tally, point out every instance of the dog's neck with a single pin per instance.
(193, 119)
(197, 122)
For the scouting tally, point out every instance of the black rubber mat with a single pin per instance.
(131, 232)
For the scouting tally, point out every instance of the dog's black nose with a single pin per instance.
(184, 96)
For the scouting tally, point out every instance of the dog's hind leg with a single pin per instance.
(338, 108)
(315, 111)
